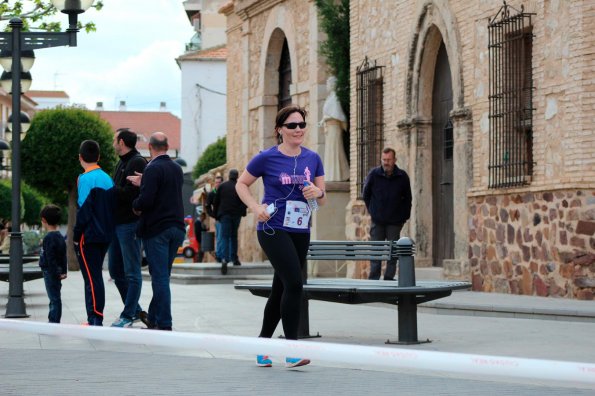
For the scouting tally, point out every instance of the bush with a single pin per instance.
(6, 200)
(214, 155)
(34, 201)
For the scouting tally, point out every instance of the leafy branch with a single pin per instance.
(334, 21)
(38, 11)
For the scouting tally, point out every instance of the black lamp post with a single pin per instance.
(16, 58)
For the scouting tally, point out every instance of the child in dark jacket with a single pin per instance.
(52, 260)
(94, 228)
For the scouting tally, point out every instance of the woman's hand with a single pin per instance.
(311, 191)
(260, 211)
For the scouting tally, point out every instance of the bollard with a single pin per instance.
(407, 302)
(406, 264)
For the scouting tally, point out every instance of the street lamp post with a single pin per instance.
(17, 44)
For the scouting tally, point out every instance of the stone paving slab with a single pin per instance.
(67, 372)
(64, 366)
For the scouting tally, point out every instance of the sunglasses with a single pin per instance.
(293, 125)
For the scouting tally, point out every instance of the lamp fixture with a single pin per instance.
(24, 120)
(72, 6)
(27, 59)
(6, 81)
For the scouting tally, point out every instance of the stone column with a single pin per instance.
(417, 133)
(458, 268)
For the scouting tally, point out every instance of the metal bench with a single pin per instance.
(31, 270)
(405, 293)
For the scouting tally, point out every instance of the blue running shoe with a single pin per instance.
(263, 361)
(122, 322)
(295, 362)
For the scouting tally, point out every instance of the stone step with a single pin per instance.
(210, 273)
(189, 279)
(215, 269)
(429, 273)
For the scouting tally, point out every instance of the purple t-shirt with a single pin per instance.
(283, 177)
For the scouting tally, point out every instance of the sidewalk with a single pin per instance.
(32, 364)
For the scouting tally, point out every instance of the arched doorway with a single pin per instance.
(284, 77)
(442, 160)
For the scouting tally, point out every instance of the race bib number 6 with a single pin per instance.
(297, 215)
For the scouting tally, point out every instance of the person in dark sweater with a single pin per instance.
(125, 249)
(212, 211)
(161, 225)
(52, 260)
(230, 210)
(387, 194)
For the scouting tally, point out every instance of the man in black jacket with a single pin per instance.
(125, 249)
(387, 194)
(161, 225)
(230, 210)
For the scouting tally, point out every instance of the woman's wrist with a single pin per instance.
(321, 195)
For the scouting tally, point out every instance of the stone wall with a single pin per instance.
(401, 37)
(534, 243)
(256, 30)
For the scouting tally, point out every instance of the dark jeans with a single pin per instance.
(218, 240)
(124, 267)
(384, 232)
(287, 253)
(229, 237)
(53, 285)
(161, 251)
(90, 257)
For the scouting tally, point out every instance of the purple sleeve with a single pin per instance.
(256, 165)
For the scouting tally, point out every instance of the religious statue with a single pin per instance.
(336, 167)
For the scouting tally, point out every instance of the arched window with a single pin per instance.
(284, 77)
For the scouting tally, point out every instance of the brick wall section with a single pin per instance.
(561, 263)
(534, 243)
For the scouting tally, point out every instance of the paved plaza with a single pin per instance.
(32, 364)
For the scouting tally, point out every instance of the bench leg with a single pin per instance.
(407, 315)
(304, 328)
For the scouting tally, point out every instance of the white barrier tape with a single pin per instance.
(360, 356)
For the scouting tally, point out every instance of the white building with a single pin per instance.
(49, 99)
(204, 79)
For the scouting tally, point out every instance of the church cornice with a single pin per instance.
(249, 8)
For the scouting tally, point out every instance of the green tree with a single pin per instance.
(214, 155)
(50, 154)
(34, 14)
(334, 21)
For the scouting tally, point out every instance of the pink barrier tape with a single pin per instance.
(360, 356)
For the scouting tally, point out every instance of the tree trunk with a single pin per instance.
(73, 264)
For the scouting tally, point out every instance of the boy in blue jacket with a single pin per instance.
(52, 260)
(94, 227)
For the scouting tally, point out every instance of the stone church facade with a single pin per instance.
(489, 108)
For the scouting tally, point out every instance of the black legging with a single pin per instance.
(287, 252)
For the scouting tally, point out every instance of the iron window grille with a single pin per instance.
(510, 98)
(370, 137)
